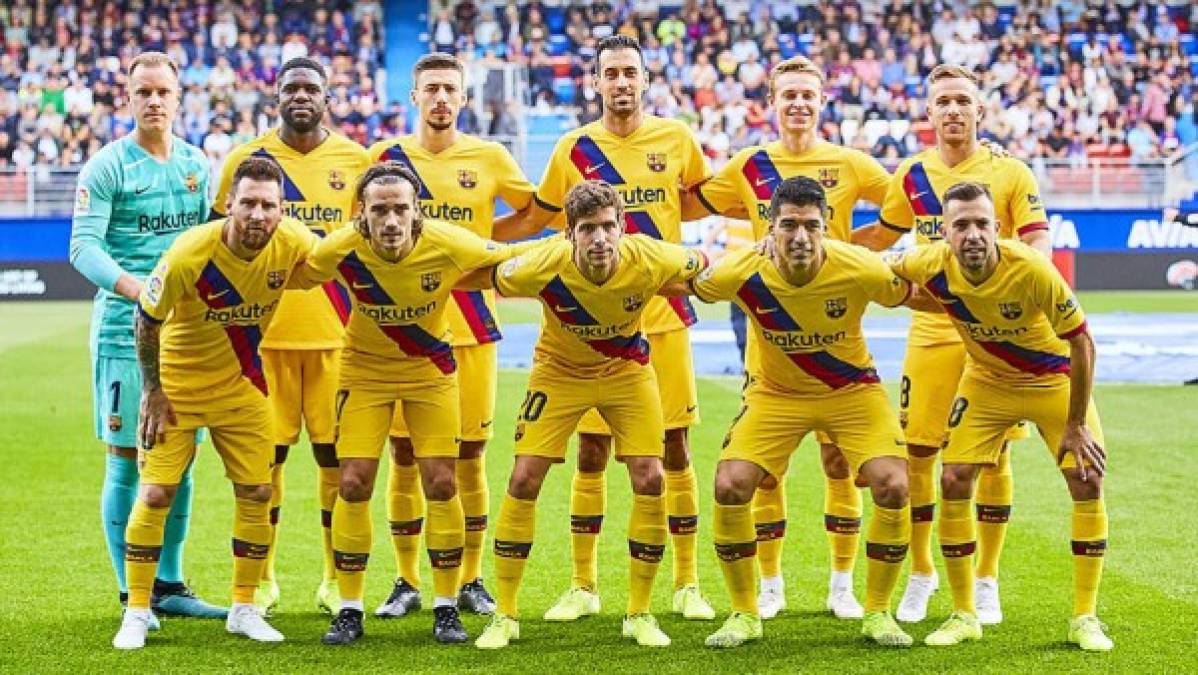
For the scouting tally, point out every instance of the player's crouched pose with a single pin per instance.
(400, 270)
(594, 286)
(1031, 358)
(209, 300)
(813, 372)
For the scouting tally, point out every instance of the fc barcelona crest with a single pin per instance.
(836, 307)
(656, 161)
(633, 303)
(829, 178)
(430, 282)
(467, 179)
(192, 182)
(1010, 310)
(275, 280)
(336, 179)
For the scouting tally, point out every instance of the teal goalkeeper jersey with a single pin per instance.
(129, 207)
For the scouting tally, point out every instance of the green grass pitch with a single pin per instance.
(58, 601)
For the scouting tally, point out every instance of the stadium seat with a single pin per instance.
(564, 89)
(899, 128)
(875, 129)
(848, 130)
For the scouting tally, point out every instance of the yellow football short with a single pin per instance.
(670, 356)
(627, 401)
(930, 377)
(770, 426)
(243, 437)
(365, 409)
(478, 372)
(302, 384)
(984, 409)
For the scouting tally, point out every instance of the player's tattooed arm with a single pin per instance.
(156, 409)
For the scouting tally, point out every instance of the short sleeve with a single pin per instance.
(873, 180)
(321, 261)
(1027, 208)
(163, 288)
(470, 251)
(694, 168)
(718, 282)
(513, 186)
(720, 193)
(912, 264)
(881, 284)
(524, 275)
(555, 183)
(896, 211)
(1057, 301)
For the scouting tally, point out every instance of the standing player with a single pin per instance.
(300, 351)
(401, 269)
(202, 313)
(746, 184)
(649, 160)
(935, 357)
(134, 197)
(594, 285)
(461, 176)
(1031, 358)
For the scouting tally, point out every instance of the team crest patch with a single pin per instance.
(114, 423)
(430, 282)
(193, 182)
(836, 307)
(467, 178)
(336, 179)
(829, 178)
(656, 161)
(154, 287)
(1010, 310)
(633, 303)
(275, 280)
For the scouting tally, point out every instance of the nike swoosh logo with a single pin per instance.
(595, 167)
(765, 310)
(213, 296)
(486, 424)
(559, 308)
(140, 190)
(690, 408)
(917, 195)
(762, 181)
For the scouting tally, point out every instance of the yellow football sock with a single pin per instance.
(513, 542)
(842, 520)
(353, 535)
(330, 481)
(682, 504)
(143, 547)
(251, 545)
(736, 546)
(588, 501)
(445, 538)
(276, 503)
(993, 506)
(957, 544)
(646, 546)
(1089, 547)
(921, 478)
(769, 519)
(885, 547)
(472, 486)
(405, 511)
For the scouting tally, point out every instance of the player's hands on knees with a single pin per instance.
(157, 414)
(1088, 453)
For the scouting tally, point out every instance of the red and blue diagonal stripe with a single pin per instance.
(336, 293)
(361, 281)
(395, 153)
(482, 323)
(592, 163)
(918, 188)
(415, 341)
(832, 371)
(218, 292)
(684, 309)
(1028, 360)
(291, 191)
(631, 347)
(566, 307)
(953, 304)
(762, 175)
(640, 222)
(764, 306)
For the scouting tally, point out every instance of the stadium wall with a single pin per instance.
(1112, 249)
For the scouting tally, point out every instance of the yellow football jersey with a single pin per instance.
(913, 200)
(216, 308)
(589, 330)
(399, 326)
(810, 336)
(459, 185)
(1014, 324)
(752, 175)
(648, 168)
(318, 190)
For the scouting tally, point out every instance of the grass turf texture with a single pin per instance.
(58, 600)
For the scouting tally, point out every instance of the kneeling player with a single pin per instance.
(1030, 358)
(594, 286)
(813, 372)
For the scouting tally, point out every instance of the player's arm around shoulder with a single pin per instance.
(916, 266)
(894, 220)
(319, 263)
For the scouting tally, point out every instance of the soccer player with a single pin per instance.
(461, 176)
(401, 269)
(811, 370)
(649, 160)
(134, 197)
(202, 313)
(1031, 358)
(746, 185)
(300, 350)
(594, 285)
(935, 357)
